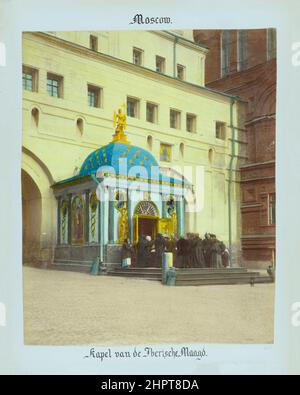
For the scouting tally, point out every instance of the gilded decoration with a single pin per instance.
(64, 216)
(77, 220)
(121, 206)
(120, 124)
(93, 207)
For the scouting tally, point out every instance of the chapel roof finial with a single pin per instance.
(119, 120)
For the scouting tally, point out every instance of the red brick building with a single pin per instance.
(243, 63)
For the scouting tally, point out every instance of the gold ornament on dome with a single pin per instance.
(119, 120)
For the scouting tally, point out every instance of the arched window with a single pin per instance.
(79, 124)
(210, 155)
(181, 150)
(146, 208)
(241, 50)
(226, 48)
(149, 143)
(35, 116)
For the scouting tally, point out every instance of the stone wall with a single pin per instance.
(257, 85)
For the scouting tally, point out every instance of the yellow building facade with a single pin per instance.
(72, 84)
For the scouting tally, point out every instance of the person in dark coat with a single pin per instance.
(200, 261)
(180, 252)
(142, 251)
(190, 257)
(193, 260)
(149, 256)
(184, 246)
(160, 244)
(214, 249)
(206, 250)
(126, 252)
(224, 255)
(127, 249)
(172, 245)
(139, 250)
(219, 255)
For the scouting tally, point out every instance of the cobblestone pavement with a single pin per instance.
(64, 308)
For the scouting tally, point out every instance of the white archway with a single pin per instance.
(39, 210)
(31, 215)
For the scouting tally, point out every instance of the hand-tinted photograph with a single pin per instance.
(148, 187)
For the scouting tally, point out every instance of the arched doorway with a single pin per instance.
(39, 210)
(146, 216)
(32, 212)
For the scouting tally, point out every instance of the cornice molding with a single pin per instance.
(181, 40)
(122, 64)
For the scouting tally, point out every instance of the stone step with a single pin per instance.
(219, 280)
(72, 266)
(192, 276)
(192, 271)
(73, 262)
(211, 270)
(144, 275)
(263, 280)
(139, 277)
(137, 270)
(212, 281)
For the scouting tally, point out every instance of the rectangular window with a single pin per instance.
(137, 56)
(28, 81)
(151, 110)
(54, 85)
(165, 152)
(174, 119)
(180, 72)
(93, 43)
(94, 96)
(272, 209)
(242, 50)
(220, 130)
(160, 64)
(29, 77)
(191, 123)
(271, 41)
(132, 107)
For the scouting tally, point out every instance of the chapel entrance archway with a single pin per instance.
(147, 226)
(146, 217)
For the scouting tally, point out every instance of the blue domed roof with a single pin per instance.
(127, 160)
(115, 155)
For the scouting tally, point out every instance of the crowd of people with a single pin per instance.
(190, 251)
